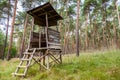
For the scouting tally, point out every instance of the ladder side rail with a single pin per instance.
(29, 62)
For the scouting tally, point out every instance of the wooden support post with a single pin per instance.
(54, 58)
(39, 60)
(31, 33)
(46, 33)
(60, 57)
(47, 29)
(39, 39)
(32, 24)
(44, 58)
(40, 46)
(47, 57)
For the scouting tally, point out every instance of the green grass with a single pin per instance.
(88, 66)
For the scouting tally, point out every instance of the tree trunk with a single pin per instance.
(12, 29)
(114, 27)
(6, 36)
(118, 14)
(115, 31)
(77, 29)
(86, 32)
(103, 26)
(107, 28)
(65, 41)
(68, 27)
(23, 39)
(94, 33)
(66, 35)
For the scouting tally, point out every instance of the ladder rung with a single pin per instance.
(30, 50)
(28, 53)
(18, 74)
(25, 59)
(22, 66)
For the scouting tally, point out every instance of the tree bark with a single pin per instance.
(114, 27)
(77, 29)
(6, 36)
(115, 30)
(94, 31)
(118, 14)
(103, 26)
(23, 39)
(86, 32)
(12, 29)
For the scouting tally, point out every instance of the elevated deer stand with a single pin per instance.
(46, 42)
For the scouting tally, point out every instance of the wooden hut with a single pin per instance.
(46, 42)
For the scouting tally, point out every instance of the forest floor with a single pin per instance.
(88, 66)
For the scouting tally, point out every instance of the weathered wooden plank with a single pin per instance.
(46, 29)
(40, 8)
(54, 58)
(22, 66)
(18, 74)
(54, 43)
(54, 36)
(45, 12)
(47, 61)
(49, 29)
(54, 47)
(53, 32)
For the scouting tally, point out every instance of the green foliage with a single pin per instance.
(13, 51)
(4, 5)
(95, 66)
(2, 37)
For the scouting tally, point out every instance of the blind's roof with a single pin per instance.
(39, 14)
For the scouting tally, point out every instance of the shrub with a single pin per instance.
(13, 52)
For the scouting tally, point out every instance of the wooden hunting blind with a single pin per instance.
(46, 42)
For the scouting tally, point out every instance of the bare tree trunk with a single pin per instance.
(94, 31)
(65, 42)
(65, 35)
(118, 14)
(107, 28)
(23, 39)
(115, 31)
(90, 38)
(77, 29)
(6, 36)
(68, 26)
(103, 34)
(115, 35)
(114, 27)
(103, 30)
(86, 32)
(60, 29)
(73, 45)
(12, 29)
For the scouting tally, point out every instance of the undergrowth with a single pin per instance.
(88, 66)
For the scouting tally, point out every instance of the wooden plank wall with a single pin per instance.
(53, 39)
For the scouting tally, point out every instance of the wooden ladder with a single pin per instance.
(25, 63)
